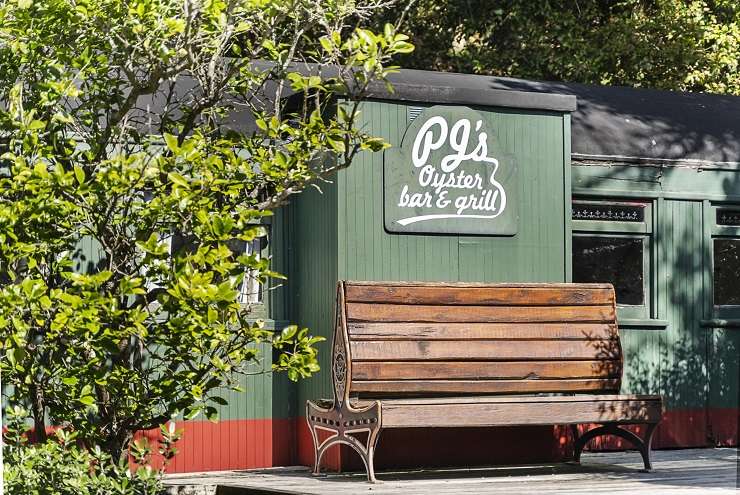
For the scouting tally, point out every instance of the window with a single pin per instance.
(618, 260)
(612, 243)
(726, 261)
(726, 272)
(251, 291)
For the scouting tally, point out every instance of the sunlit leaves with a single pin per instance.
(687, 45)
(61, 466)
(129, 192)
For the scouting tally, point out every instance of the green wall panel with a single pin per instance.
(673, 361)
(313, 277)
(724, 354)
(536, 253)
(255, 401)
(677, 182)
(681, 299)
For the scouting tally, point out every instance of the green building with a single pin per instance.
(532, 182)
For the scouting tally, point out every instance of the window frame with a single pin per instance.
(729, 232)
(632, 230)
(261, 293)
(259, 308)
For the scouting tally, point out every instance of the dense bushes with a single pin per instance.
(61, 466)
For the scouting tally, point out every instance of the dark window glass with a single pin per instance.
(726, 272)
(608, 212)
(728, 217)
(617, 260)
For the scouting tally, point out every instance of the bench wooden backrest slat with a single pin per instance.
(488, 296)
(456, 370)
(477, 314)
(482, 350)
(480, 331)
(379, 388)
(427, 339)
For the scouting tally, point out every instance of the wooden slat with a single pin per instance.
(494, 296)
(481, 331)
(483, 350)
(522, 285)
(460, 413)
(604, 398)
(491, 314)
(530, 370)
(396, 387)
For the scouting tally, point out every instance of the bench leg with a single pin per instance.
(642, 445)
(372, 442)
(340, 424)
(316, 455)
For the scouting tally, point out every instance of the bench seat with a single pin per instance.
(512, 410)
(424, 355)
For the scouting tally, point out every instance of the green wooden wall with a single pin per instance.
(312, 279)
(339, 234)
(679, 353)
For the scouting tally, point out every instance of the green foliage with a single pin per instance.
(671, 44)
(60, 467)
(128, 192)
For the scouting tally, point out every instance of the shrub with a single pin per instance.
(61, 466)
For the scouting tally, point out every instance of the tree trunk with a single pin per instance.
(118, 445)
(39, 414)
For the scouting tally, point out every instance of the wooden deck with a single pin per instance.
(676, 472)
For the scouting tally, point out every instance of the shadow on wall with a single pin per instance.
(694, 368)
(621, 121)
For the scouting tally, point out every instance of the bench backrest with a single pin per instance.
(427, 339)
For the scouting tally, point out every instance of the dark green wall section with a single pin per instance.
(723, 368)
(255, 400)
(676, 182)
(313, 276)
(692, 364)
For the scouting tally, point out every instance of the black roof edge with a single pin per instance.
(424, 86)
(462, 95)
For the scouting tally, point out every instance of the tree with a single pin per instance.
(670, 44)
(118, 134)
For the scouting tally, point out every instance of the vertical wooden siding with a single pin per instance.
(536, 253)
(679, 357)
(672, 361)
(313, 277)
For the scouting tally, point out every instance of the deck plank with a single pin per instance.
(688, 471)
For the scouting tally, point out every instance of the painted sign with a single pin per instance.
(450, 177)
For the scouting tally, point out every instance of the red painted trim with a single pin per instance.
(724, 423)
(330, 460)
(231, 444)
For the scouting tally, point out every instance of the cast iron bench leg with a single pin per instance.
(643, 445)
(341, 423)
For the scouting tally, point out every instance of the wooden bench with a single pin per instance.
(438, 355)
